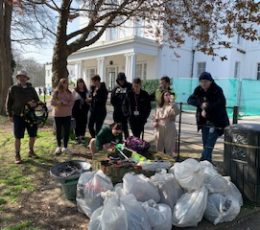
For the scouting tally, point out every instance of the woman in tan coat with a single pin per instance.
(164, 122)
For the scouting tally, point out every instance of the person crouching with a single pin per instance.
(106, 138)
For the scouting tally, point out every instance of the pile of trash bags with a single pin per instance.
(181, 197)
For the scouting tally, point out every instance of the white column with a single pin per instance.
(130, 65)
(101, 68)
(78, 72)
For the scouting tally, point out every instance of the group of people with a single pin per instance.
(132, 105)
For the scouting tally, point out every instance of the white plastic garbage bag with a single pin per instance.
(190, 208)
(221, 208)
(159, 215)
(214, 182)
(89, 189)
(188, 174)
(141, 187)
(111, 216)
(155, 166)
(136, 216)
(234, 192)
(169, 189)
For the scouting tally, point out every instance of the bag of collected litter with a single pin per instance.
(221, 208)
(89, 189)
(141, 187)
(190, 208)
(169, 189)
(233, 191)
(188, 174)
(154, 166)
(159, 215)
(136, 216)
(111, 216)
(214, 182)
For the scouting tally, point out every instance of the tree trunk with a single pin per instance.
(5, 52)
(60, 54)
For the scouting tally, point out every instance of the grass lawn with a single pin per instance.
(29, 197)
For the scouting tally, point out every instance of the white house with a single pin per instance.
(134, 50)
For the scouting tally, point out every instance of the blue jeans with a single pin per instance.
(209, 138)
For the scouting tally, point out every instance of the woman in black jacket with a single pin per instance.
(97, 98)
(211, 113)
(138, 107)
(80, 109)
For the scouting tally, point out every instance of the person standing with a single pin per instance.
(80, 109)
(164, 122)
(97, 99)
(211, 113)
(165, 85)
(117, 98)
(18, 96)
(62, 102)
(138, 107)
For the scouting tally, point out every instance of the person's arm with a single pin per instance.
(9, 103)
(35, 96)
(148, 106)
(100, 139)
(101, 96)
(194, 99)
(113, 97)
(55, 100)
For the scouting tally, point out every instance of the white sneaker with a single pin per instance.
(58, 151)
(66, 151)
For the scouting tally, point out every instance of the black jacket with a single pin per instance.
(98, 103)
(118, 96)
(140, 103)
(216, 110)
(80, 107)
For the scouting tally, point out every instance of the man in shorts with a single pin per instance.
(18, 96)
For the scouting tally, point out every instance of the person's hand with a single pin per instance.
(204, 114)
(155, 124)
(11, 119)
(204, 105)
(88, 100)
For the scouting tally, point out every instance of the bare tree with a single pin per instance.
(205, 21)
(19, 24)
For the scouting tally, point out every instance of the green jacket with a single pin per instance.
(106, 136)
(17, 98)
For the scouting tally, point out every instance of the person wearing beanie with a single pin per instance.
(117, 100)
(211, 113)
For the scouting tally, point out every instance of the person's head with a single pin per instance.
(137, 84)
(80, 85)
(166, 98)
(205, 80)
(22, 77)
(165, 83)
(121, 79)
(63, 85)
(95, 80)
(116, 129)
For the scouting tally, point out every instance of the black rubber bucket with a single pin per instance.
(67, 174)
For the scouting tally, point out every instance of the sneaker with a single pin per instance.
(32, 154)
(66, 151)
(18, 158)
(58, 151)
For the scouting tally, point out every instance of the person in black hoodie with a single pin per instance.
(97, 99)
(117, 99)
(80, 109)
(138, 107)
(211, 113)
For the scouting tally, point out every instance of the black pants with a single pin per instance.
(96, 121)
(124, 122)
(81, 124)
(62, 130)
(137, 126)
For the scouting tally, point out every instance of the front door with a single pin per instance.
(111, 73)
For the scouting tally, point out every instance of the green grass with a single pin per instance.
(47, 97)
(24, 225)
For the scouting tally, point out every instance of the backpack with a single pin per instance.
(137, 144)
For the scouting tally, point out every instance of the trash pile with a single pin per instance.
(181, 197)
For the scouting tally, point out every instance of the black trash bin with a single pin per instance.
(67, 174)
(242, 159)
